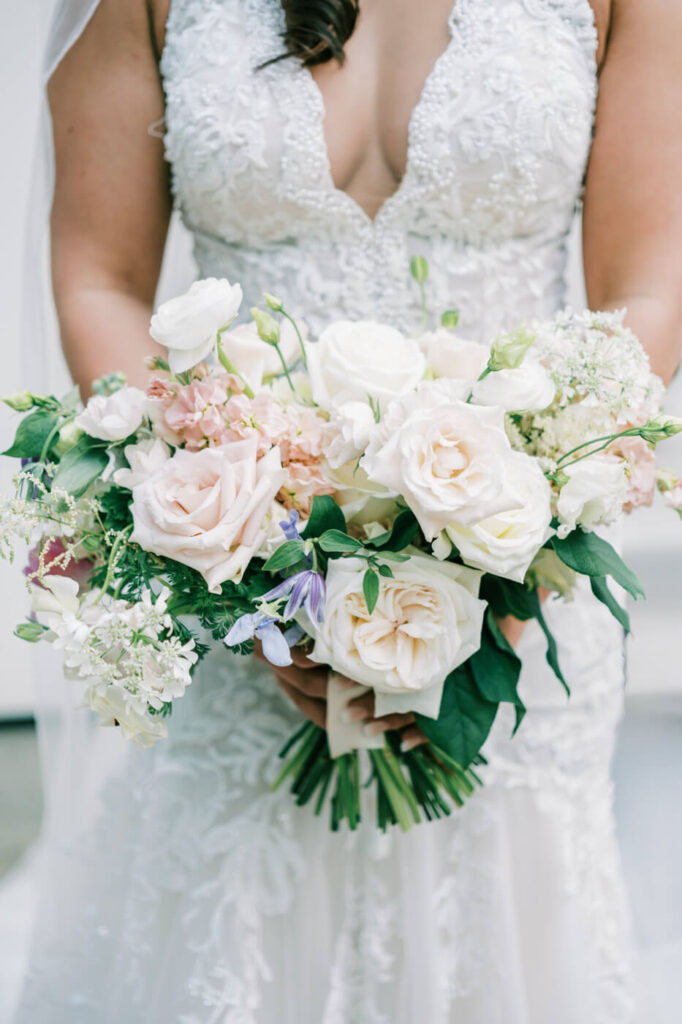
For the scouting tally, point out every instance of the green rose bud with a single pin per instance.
(31, 631)
(275, 304)
(267, 326)
(22, 401)
(509, 350)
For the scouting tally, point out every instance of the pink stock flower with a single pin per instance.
(304, 481)
(641, 470)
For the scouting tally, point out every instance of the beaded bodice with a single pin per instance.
(497, 147)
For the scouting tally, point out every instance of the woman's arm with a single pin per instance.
(112, 201)
(632, 224)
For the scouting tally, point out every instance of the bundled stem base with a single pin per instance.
(412, 786)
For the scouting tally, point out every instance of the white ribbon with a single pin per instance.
(346, 736)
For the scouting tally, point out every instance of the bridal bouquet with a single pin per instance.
(379, 498)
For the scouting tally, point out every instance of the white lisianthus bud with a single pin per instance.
(69, 436)
(509, 350)
(113, 417)
(275, 304)
(661, 428)
(266, 325)
(21, 401)
(188, 325)
(548, 571)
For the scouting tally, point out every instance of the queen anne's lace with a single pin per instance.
(202, 898)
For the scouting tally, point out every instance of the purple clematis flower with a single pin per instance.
(263, 627)
(306, 589)
(289, 526)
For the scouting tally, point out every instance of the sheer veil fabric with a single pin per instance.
(244, 948)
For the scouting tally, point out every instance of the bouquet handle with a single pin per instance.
(344, 737)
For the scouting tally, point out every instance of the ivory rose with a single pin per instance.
(188, 325)
(426, 622)
(354, 361)
(448, 459)
(113, 417)
(527, 387)
(206, 509)
(506, 543)
(448, 355)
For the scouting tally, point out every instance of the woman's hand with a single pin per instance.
(305, 684)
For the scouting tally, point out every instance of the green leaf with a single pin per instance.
(32, 433)
(334, 542)
(465, 717)
(370, 588)
(80, 467)
(552, 654)
(401, 535)
(496, 668)
(31, 631)
(325, 514)
(591, 555)
(291, 552)
(600, 589)
(507, 597)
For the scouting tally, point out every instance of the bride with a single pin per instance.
(314, 148)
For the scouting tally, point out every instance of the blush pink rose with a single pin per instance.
(207, 509)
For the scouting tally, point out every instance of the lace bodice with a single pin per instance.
(497, 148)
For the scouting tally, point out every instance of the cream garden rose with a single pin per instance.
(448, 355)
(354, 361)
(113, 417)
(447, 458)
(207, 509)
(506, 543)
(188, 325)
(426, 622)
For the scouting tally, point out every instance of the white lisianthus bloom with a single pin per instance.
(350, 428)
(113, 417)
(188, 325)
(55, 599)
(207, 509)
(506, 543)
(528, 387)
(255, 358)
(595, 494)
(448, 355)
(426, 622)
(143, 459)
(447, 458)
(354, 361)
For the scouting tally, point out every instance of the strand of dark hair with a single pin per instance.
(317, 30)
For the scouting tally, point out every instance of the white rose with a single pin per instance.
(529, 387)
(595, 494)
(350, 427)
(188, 325)
(255, 358)
(426, 622)
(143, 459)
(356, 360)
(206, 509)
(506, 543)
(113, 417)
(448, 459)
(448, 355)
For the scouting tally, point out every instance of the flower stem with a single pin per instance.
(607, 439)
(293, 323)
(284, 366)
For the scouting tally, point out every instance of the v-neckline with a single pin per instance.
(394, 198)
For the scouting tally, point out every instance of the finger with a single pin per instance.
(314, 710)
(387, 723)
(311, 684)
(361, 709)
(299, 656)
(412, 737)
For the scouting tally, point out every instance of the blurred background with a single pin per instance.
(648, 767)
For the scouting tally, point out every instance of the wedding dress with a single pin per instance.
(200, 897)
